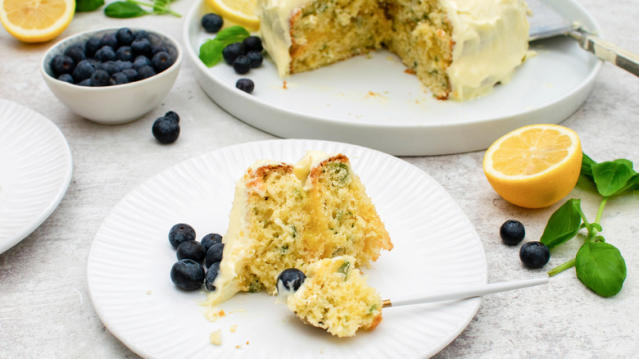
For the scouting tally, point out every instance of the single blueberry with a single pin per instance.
(105, 53)
(166, 131)
(123, 65)
(210, 239)
(83, 70)
(187, 274)
(253, 43)
(109, 66)
(179, 233)
(140, 34)
(245, 85)
(255, 58)
(124, 36)
(66, 78)
(232, 51)
(145, 72)
(212, 23)
(76, 52)
(211, 274)
(158, 48)
(512, 232)
(191, 250)
(141, 47)
(119, 78)
(61, 64)
(171, 115)
(534, 254)
(162, 61)
(85, 82)
(214, 254)
(100, 78)
(290, 279)
(141, 61)
(124, 53)
(242, 65)
(92, 45)
(109, 40)
(131, 74)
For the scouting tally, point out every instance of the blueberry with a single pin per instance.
(124, 36)
(162, 61)
(124, 53)
(92, 45)
(253, 43)
(105, 53)
(534, 254)
(61, 64)
(158, 48)
(512, 232)
(214, 254)
(141, 61)
(212, 23)
(131, 74)
(191, 250)
(85, 82)
(242, 64)
(109, 66)
(140, 34)
(232, 51)
(171, 115)
(187, 274)
(66, 78)
(109, 40)
(76, 52)
(179, 233)
(290, 279)
(100, 78)
(123, 65)
(83, 71)
(211, 274)
(166, 131)
(145, 72)
(255, 58)
(209, 240)
(141, 47)
(245, 85)
(119, 78)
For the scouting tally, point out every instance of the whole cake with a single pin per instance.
(457, 48)
(288, 216)
(335, 297)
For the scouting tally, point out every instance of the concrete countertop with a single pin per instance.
(45, 310)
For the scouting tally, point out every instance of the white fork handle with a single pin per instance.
(470, 292)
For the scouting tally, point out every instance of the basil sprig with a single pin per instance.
(133, 8)
(211, 50)
(599, 265)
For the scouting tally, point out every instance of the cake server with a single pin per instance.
(545, 22)
(465, 293)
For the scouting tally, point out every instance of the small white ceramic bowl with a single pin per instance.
(118, 103)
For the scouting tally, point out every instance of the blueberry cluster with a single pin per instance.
(112, 59)
(188, 273)
(532, 254)
(166, 129)
(244, 56)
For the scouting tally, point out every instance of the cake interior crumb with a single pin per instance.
(216, 337)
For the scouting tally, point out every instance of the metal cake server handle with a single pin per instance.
(607, 51)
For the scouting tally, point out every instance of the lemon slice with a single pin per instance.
(241, 12)
(36, 20)
(534, 166)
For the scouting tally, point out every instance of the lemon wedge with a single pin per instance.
(241, 12)
(36, 20)
(534, 166)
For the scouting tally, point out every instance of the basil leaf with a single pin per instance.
(586, 166)
(601, 268)
(87, 5)
(612, 176)
(124, 10)
(563, 224)
(211, 52)
(232, 34)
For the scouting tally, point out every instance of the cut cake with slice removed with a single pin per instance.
(287, 216)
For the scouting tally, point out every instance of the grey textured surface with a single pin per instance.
(45, 310)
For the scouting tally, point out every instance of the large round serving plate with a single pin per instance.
(436, 248)
(35, 172)
(370, 101)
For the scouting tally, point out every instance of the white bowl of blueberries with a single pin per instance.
(112, 76)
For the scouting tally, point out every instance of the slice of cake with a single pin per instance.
(335, 297)
(287, 216)
(457, 48)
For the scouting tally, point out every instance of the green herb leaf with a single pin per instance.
(601, 268)
(344, 268)
(612, 176)
(232, 34)
(563, 224)
(586, 167)
(211, 50)
(87, 5)
(124, 10)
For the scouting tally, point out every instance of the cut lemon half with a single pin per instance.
(36, 20)
(534, 166)
(241, 12)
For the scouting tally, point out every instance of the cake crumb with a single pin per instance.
(247, 342)
(237, 346)
(221, 313)
(285, 85)
(212, 314)
(410, 71)
(233, 328)
(149, 292)
(216, 337)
